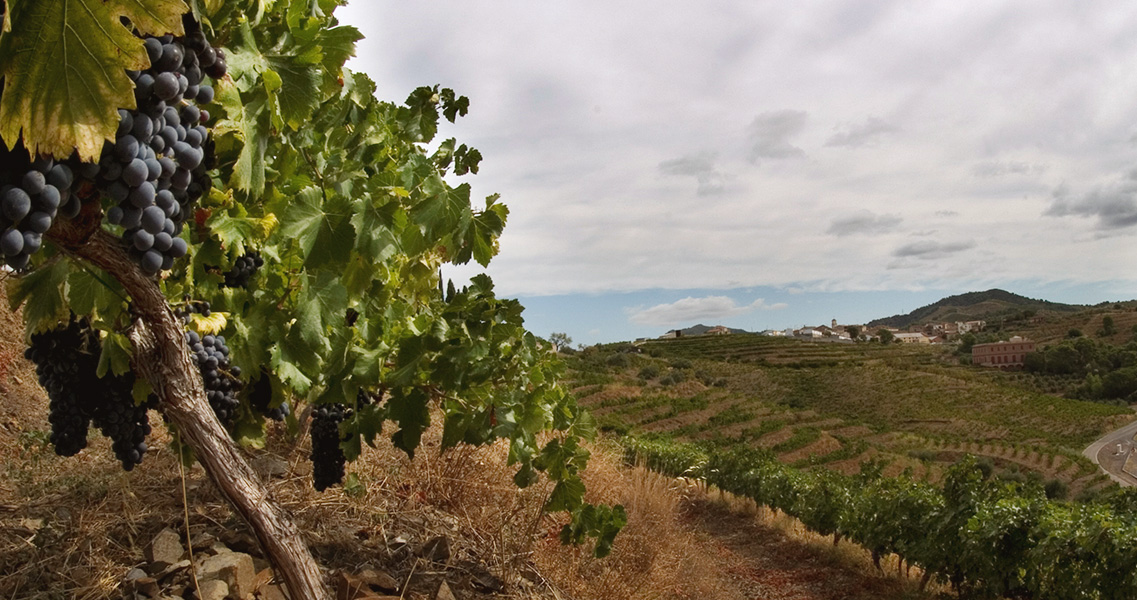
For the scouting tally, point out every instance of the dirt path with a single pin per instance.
(765, 563)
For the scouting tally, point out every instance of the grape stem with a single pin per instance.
(163, 358)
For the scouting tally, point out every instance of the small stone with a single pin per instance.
(213, 589)
(147, 586)
(169, 571)
(272, 592)
(241, 542)
(234, 568)
(134, 574)
(269, 466)
(379, 580)
(444, 593)
(202, 541)
(349, 587)
(263, 578)
(166, 547)
(485, 581)
(436, 549)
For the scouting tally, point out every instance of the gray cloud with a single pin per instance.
(946, 213)
(1114, 206)
(701, 167)
(771, 131)
(862, 134)
(999, 168)
(690, 310)
(931, 249)
(863, 222)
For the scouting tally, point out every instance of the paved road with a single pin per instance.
(1105, 454)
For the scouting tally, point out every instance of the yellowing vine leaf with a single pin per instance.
(64, 64)
(212, 325)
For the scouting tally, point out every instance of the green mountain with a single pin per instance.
(701, 329)
(973, 306)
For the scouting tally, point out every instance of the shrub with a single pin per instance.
(618, 360)
(649, 372)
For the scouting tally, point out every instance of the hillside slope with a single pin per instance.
(971, 306)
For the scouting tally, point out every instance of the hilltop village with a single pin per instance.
(1002, 354)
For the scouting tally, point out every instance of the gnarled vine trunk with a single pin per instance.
(162, 356)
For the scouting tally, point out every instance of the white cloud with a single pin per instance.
(691, 310)
(864, 222)
(861, 134)
(770, 132)
(598, 120)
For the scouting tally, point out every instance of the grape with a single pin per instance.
(17, 204)
(49, 198)
(153, 49)
(32, 242)
(166, 85)
(162, 241)
(39, 221)
(61, 177)
(143, 240)
(134, 173)
(12, 242)
(143, 196)
(178, 248)
(204, 95)
(151, 262)
(126, 148)
(125, 122)
(33, 182)
(153, 219)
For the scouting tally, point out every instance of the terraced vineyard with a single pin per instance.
(822, 405)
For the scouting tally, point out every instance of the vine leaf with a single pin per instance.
(64, 65)
(44, 290)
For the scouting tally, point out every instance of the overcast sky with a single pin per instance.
(667, 163)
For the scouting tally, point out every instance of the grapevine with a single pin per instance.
(348, 213)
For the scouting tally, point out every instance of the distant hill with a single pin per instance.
(700, 329)
(972, 306)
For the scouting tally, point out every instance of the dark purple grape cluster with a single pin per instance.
(154, 170)
(125, 423)
(243, 269)
(260, 399)
(67, 360)
(222, 381)
(32, 194)
(190, 307)
(327, 456)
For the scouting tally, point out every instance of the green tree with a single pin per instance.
(353, 217)
(853, 331)
(1107, 327)
(885, 336)
(560, 340)
(966, 342)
